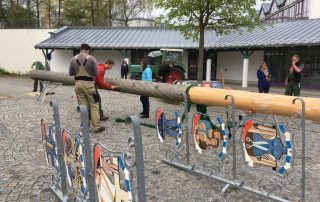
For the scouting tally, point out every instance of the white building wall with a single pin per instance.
(18, 51)
(61, 60)
(115, 55)
(314, 11)
(232, 64)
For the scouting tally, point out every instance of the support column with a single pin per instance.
(47, 58)
(208, 72)
(245, 73)
(246, 55)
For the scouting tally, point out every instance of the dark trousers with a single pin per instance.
(124, 75)
(99, 97)
(293, 89)
(145, 104)
(35, 85)
(264, 89)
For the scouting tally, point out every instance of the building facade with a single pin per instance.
(238, 54)
(289, 10)
(281, 11)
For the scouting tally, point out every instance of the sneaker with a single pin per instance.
(103, 118)
(144, 116)
(34, 91)
(99, 130)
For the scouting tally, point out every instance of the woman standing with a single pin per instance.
(263, 74)
(124, 69)
(146, 77)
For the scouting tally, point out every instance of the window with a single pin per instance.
(279, 60)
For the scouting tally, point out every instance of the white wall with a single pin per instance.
(61, 60)
(314, 6)
(18, 51)
(19, 54)
(232, 64)
(115, 55)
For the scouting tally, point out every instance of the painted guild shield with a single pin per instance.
(112, 177)
(262, 145)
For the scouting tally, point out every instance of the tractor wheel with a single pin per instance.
(175, 75)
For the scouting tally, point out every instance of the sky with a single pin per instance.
(258, 4)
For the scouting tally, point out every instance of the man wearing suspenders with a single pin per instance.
(85, 68)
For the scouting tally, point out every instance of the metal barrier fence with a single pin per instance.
(83, 176)
(266, 145)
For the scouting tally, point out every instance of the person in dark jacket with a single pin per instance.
(164, 72)
(294, 76)
(124, 69)
(263, 74)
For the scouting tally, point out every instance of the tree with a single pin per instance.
(48, 13)
(129, 10)
(18, 15)
(77, 13)
(59, 13)
(193, 17)
(4, 22)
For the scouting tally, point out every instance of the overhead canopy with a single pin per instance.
(286, 34)
(121, 38)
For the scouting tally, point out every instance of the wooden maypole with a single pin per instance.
(255, 102)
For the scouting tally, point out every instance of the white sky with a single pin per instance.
(258, 4)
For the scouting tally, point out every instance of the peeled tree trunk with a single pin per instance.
(255, 102)
(150, 89)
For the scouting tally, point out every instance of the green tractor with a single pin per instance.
(166, 66)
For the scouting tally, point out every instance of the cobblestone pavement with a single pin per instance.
(25, 176)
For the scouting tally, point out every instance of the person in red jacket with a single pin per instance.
(100, 83)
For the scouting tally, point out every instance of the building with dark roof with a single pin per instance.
(274, 44)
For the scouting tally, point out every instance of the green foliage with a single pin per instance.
(17, 16)
(3, 72)
(77, 12)
(57, 13)
(222, 16)
(193, 17)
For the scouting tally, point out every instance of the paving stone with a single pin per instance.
(26, 177)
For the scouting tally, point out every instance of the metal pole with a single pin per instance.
(91, 184)
(187, 128)
(60, 155)
(135, 121)
(234, 184)
(303, 155)
(234, 146)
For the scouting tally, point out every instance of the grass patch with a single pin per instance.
(3, 72)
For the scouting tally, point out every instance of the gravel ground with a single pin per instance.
(25, 176)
